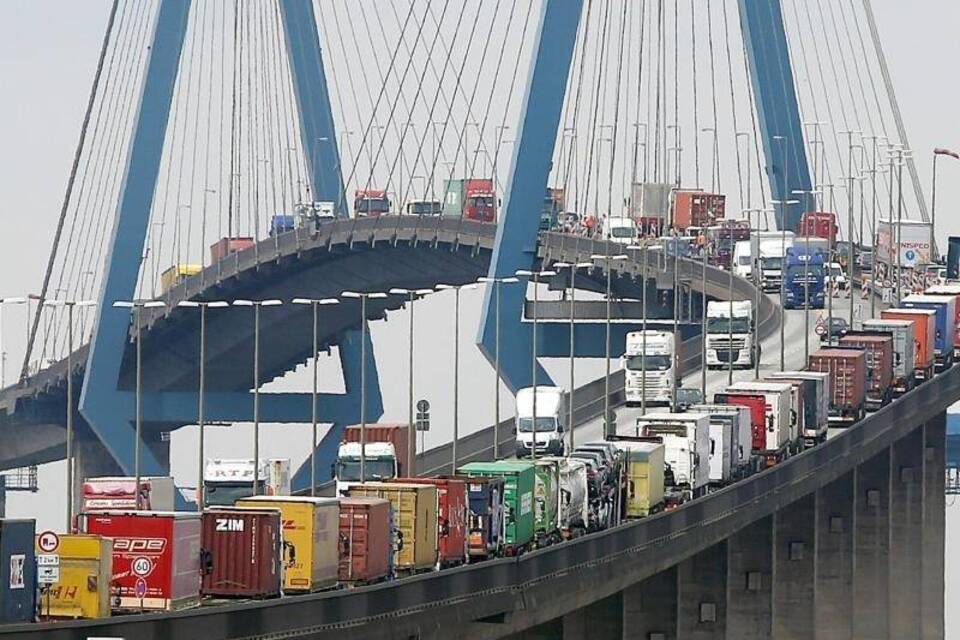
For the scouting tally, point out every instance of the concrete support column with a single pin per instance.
(601, 620)
(702, 595)
(871, 525)
(934, 529)
(650, 608)
(906, 534)
(794, 569)
(750, 581)
(833, 588)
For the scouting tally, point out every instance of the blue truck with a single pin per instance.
(805, 275)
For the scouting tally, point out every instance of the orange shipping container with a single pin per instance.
(924, 332)
(697, 209)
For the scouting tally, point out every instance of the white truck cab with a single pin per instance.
(380, 463)
(730, 334)
(227, 480)
(742, 260)
(547, 431)
(622, 230)
(686, 440)
(649, 355)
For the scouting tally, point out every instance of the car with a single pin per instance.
(865, 259)
(611, 454)
(838, 327)
(687, 396)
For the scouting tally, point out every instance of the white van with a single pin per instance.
(742, 259)
(551, 421)
(622, 230)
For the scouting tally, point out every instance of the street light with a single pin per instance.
(783, 251)
(574, 267)
(456, 363)
(609, 261)
(496, 282)
(137, 306)
(256, 304)
(363, 297)
(643, 339)
(315, 308)
(69, 304)
(756, 276)
(812, 193)
(3, 354)
(534, 277)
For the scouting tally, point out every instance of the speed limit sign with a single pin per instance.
(141, 566)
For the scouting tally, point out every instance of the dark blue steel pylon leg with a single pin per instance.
(109, 411)
(516, 243)
(777, 107)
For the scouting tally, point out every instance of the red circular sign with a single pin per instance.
(48, 541)
(140, 589)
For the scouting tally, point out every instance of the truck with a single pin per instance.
(311, 215)
(415, 516)
(227, 480)
(819, 224)
(697, 208)
(848, 372)
(817, 420)
(547, 405)
(771, 248)
(730, 334)
(775, 441)
(914, 243)
(487, 513)
(573, 507)
(470, 199)
(903, 350)
(742, 260)
(686, 438)
(924, 337)
(650, 205)
(644, 471)
(879, 352)
(423, 208)
(227, 246)
(117, 492)
(619, 229)
(554, 204)
(741, 434)
(729, 233)
(650, 370)
(804, 285)
(546, 501)
(370, 202)
(176, 274)
(950, 289)
(946, 324)
(452, 514)
(518, 488)
(804, 410)
(282, 223)
(386, 447)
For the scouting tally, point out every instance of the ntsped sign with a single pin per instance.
(914, 242)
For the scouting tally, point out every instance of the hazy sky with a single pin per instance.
(48, 50)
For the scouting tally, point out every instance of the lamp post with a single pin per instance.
(256, 304)
(756, 277)
(456, 364)
(609, 261)
(137, 306)
(3, 354)
(933, 199)
(69, 304)
(315, 305)
(496, 282)
(534, 277)
(363, 297)
(643, 326)
(783, 251)
(573, 267)
(203, 306)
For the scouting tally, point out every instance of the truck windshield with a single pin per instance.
(622, 232)
(366, 205)
(481, 201)
(654, 363)
(225, 494)
(348, 469)
(772, 262)
(797, 273)
(425, 208)
(744, 261)
(544, 425)
(723, 325)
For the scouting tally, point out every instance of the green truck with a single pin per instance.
(519, 487)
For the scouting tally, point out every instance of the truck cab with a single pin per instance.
(622, 230)
(547, 430)
(773, 247)
(686, 438)
(651, 356)
(423, 208)
(385, 454)
(370, 202)
(730, 334)
(742, 261)
(226, 481)
(804, 275)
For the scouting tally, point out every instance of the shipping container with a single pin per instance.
(112, 493)
(546, 497)
(903, 350)
(452, 510)
(819, 224)
(816, 402)
(311, 528)
(686, 438)
(367, 540)
(950, 289)
(644, 468)
(86, 569)
(756, 404)
(282, 223)
(415, 517)
(697, 209)
(396, 434)
(848, 371)
(156, 557)
(486, 536)
(573, 508)
(780, 432)
(519, 481)
(225, 246)
(18, 571)
(242, 553)
(924, 336)
(914, 243)
(741, 433)
(879, 350)
(177, 274)
(946, 329)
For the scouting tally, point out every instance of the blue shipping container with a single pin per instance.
(18, 571)
(281, 224)
(943, 340)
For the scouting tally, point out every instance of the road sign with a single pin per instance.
(48, 541)
(48, 560)
(48, 574)
(423, 406)
(141, 566)
(140, 589)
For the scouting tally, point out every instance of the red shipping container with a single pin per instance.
(819, 224)
(225, 246)
(848, 371)
(758, 415)
(242, 552)
(366, 540)
(924, 335)
(452, 512)
(697, 209)
(156, 557)
(879, 350)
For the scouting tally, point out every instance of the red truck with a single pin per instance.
(757, 405)
(470, 199)
(453, 510)
(370, 202)
(879, 349)
(225, 246)
(697, 209)
(819, 224)
(848, 371)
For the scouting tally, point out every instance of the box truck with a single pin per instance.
(649, 363)
(541, 419)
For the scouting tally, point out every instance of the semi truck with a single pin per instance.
(470, 199)
(848, 373)
(386, 447)
(771, 248)
(370, 202)
(227, 480)
(950, 289)
(697, 209)
(546, 432)
(730, 334)
(775, 436)
(945, 324)
(817, 421)
(741, 436)
(879, 353)
(903, 350)
(649, 356)
(686, 438)
(819, 224)
(804, 283)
